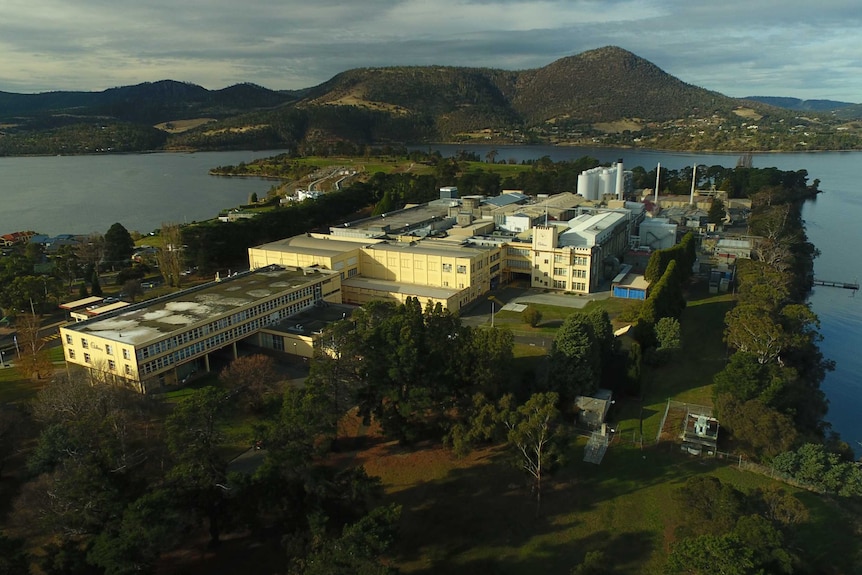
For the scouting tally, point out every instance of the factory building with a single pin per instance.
(163, 341)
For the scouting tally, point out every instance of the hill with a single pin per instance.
(607, 96)
(801, 105)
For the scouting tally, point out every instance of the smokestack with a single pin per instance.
(657, 176)
(620, 179)
(693, 180)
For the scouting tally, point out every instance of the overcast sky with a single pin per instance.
(802, 49)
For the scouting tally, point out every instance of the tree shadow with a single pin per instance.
(483, 518)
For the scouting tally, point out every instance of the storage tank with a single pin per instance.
(606, 182)
(584, 185)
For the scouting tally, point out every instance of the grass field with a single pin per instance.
(476, 515)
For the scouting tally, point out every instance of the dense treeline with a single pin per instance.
(117, 479)
(769, 394)
(89, 138)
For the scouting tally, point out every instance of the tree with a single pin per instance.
(531, 316)
(13, 558)
(95, 287)
(752, 329)
(199, 476)
(534, 432)
(716, 212)
(758, 429)
(252, 379)
(33, 361)
(359, 548)
(132, 289)
(11, 433)
(576, 357)
(170, 255)
(91, 251)
(119, 246)
(667, 332)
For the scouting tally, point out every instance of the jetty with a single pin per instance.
(830, 283)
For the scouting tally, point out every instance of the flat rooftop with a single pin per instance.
(316, 244)
(154, 319)
(399, 287)
(402, 220)
(434, 247)
(313, 319)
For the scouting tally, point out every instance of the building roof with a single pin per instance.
(432, 247)
(178, 312)
(79, 303)
(507, 199)
(316, 244)
(586, 230)
(314, 319)
(400, 287)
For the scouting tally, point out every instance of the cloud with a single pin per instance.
(737, 47)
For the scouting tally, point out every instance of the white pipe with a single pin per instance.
(620, 179)
(657, 176)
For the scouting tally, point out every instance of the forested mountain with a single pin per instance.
(149, 102)
(801, 105)
(607, 96)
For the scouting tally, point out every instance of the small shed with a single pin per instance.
(628, 285)
(593, 409)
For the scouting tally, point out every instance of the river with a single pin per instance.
(83, 194)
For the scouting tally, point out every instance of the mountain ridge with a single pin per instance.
(606, 96)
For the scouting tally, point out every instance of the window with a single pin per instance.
(112, 365)
(560, 284)
(71, 354)
(559, 271)
(125, 354)
(128, 369)
(447, 267)
(84, 343)
(68, 339)
(109, 349)
(579, 273)
(462, 269)
(561, 259)
(86, 358)
(579, 286)
(581, 261)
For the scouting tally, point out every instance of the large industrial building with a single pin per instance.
(162, 341)
(449, 251)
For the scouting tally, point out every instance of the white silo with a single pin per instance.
(606, 182)
(584, 184)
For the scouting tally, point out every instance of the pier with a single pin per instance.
(830, 283)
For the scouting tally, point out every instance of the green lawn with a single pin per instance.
(476, 516)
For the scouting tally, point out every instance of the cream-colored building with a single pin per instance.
(450, 272)
(574, 256)
(163, 341)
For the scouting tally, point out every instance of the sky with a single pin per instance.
(801, 49)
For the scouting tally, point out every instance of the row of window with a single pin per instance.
(219, 339)
(112, 365)
(576, 286)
